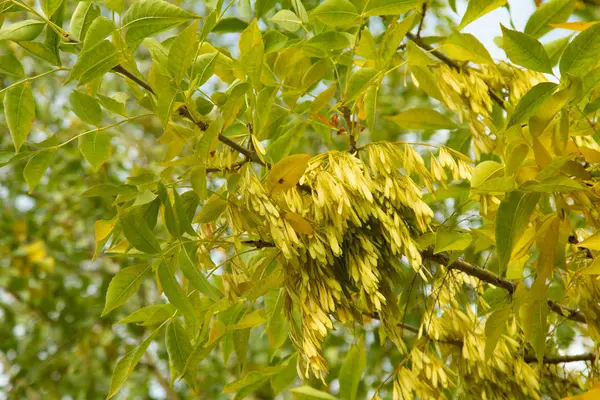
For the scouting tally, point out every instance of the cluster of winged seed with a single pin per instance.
(360, 217)
(468, 93)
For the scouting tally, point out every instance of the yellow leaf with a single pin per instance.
(574, 26)
(36, 251)
(592, 243)
(591, 155)
(593, 268)
(287, 172)
(119, 248)
(299, 224)
(103, 228)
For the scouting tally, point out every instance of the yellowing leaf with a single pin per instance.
(494, 327)
(287, 20)
(574, 26)
(592, 243)
(512, 219)
(422, 118)
(102, 229)
(299, 224)
(336, 13)
(466, 47)
(478, 8)
(390, 7)
(287, 172)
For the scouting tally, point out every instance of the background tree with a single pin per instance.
(307, 199)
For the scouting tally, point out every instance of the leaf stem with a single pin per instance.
(103, 128)
(33, 78)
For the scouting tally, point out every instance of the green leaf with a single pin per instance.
(86, 107)
(19, 111)
(138, 233)
(308, 393)
(277, 329)
(185, 209)
(552, 12)
(94, 62)
(106, 189)
(336, 13)
(252, 380)
(390, 7)
(50, 6)
(331, 40)
(287, 20)
(446, 240)
(230, 25)
(149, 315)
(99, 30)
(352, 370)
(533, 318)
(112, 105)
(82, 19)
(204, 67)
(531, 102)
(252, 50)
(359, 80)
(422, 118)
(174, 292)
(512, 219)
(124, 284)
(485, 171)
(494, 327)
(171, 221)
(192, 272)
(214, 207)
(41, 51)
(555, 184)
(555, 49)
(178, 346)
(96, 148)
(148, 17)
(127, 363)
(525, 50)
(583, 53)
(23, 31)
(466, 47)
(287, 376)
(36, 166)
(393, 37)
(182, 52)
(120, 374)
(477, 9)
(10, 65)
(370, 102)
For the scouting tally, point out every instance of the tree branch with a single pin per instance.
(496, 280)
(120, 69)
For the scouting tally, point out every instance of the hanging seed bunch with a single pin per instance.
(467, 91)
(342, 232)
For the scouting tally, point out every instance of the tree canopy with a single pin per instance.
(337, 199)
